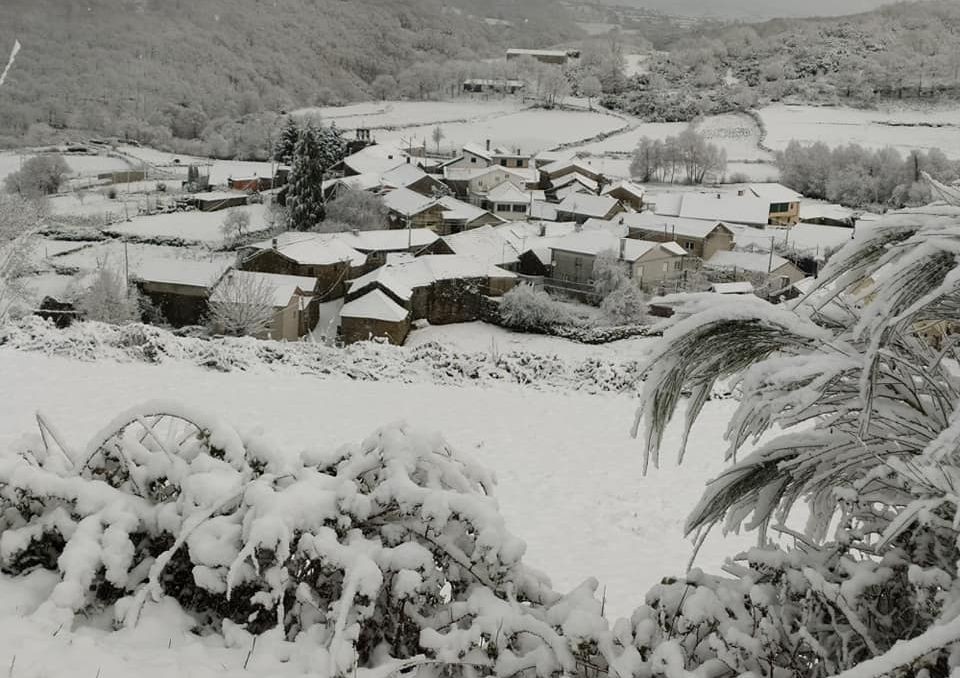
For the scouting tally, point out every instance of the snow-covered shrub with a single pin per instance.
(393, 548)
(625, 305)
(526, 307)
(857, 412)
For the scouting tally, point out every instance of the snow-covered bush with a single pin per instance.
(856, 411)
(393, 548)
(526, 307)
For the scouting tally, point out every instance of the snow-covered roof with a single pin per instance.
(219, 196)
(732, 288)
(689, 228)
(588, 205)
(584, 181)
(478, 151)
(820, 210)
(495, 246)
(724, 207)
(469, 173)
(407, 202)
(459, 210)
(357, 182)
(540, 209)
(773, 192)
(180, 272)
(389, 240)
(508, 193)
(401, 278)
(282, 287)
(757, 262)
(594, 242)
(402, 175)
(574, 164)
(377, 158)
(374, 305)
(667, 204)
(628, 186)
(319, 249)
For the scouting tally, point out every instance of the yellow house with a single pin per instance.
(784, 202)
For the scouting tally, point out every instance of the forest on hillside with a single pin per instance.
(906, 51)
(162, 70)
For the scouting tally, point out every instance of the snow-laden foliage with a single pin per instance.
(363, 361)
(526, 307)
(392, 548)
(850, 398)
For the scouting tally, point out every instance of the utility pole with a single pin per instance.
(126, 264)
(770, 261)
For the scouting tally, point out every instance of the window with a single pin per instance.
(784, 281)
(666, 267)
(678, 264)
(502, 208)
(503, 161)
(473, 160)
(520, 208)
(688, 244)
(779, 207)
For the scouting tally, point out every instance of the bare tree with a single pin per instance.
(242, 304)
(437, 136)
(354, 210)
(591, 88)
(234, 224)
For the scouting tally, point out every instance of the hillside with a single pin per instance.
(123, 66)
(753, 10)
(901, 51)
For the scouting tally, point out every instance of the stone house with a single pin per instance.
(409, 209)
(375, 315)
(323, 256)
(627, 192)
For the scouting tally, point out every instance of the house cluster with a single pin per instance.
(469, 227)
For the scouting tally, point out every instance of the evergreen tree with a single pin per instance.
(332, 146)
(305, 195)
(287, 143)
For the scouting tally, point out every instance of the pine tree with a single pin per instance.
(287, 143)
(305, 195)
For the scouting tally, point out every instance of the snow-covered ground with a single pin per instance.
(902, 128)
(570, 480)
(198, 226)
(81, 165)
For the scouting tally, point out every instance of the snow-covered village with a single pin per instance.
(533, 339)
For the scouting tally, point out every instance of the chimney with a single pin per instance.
(740, 192)
(543, 230)
(408, 159)
(623, 247)
(273, 243)
(718, 196)
(488, 144)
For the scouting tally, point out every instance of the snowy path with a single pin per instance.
(570, 475)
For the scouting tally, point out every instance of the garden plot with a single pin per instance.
(191, 226)
(902, 128)
(394, 114)
(219, 170)
(80, 165)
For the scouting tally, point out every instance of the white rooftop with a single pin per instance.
(374, 305)
(461, 211)
(402, 175)
(321, 249)
(774, 193)
(495, 246)
(628, 186)
(389, 240)
(589, 205)
(732, 288)
(478, 150)
(724, 207)
(282, 287)
(593, 242)
(402, 277)
(377, 158)
(756, 262)
(407, 202)
(690, 228)
(508, 193)
(180, 272)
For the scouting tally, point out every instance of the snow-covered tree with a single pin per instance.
(241, 305)
(526, 307)
(625, 305)
(287, 143)
(40, 175)
(855, 408)
(305, 194)
(609, 272)
(355, 210)
(108, 298)
(235, 223)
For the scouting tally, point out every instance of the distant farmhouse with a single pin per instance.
(487, 86)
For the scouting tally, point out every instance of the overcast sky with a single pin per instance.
(760, 9)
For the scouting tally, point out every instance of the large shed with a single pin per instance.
(374, 315)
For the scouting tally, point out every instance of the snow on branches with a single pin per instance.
(393, 548)
(851, 397)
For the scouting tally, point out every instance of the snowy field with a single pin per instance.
(81, 165)
(570, 481)
(196, 226)
(737, 134)
(219, 170)
(903, 128)
(380, 114)
(531, 131)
